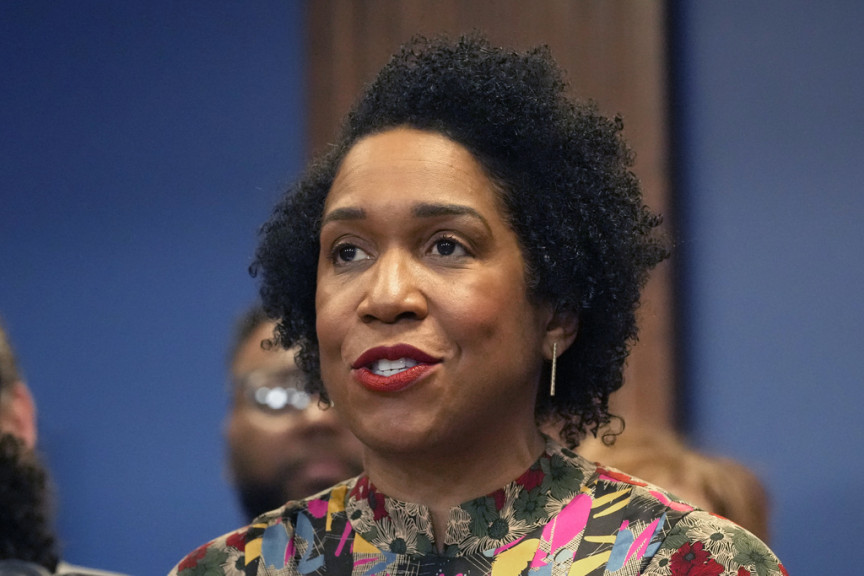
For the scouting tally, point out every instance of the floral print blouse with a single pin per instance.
(563, 516)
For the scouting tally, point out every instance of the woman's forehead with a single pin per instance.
(408, 164)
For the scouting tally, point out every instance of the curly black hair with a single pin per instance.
(563, 173)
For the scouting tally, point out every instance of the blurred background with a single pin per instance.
(143, 144)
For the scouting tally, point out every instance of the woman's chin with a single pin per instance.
(402, 441)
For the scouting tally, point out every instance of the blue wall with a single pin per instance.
(142, 145)
(771, 150)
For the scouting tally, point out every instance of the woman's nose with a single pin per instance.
(394, 290)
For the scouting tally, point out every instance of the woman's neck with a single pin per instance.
(449, 477)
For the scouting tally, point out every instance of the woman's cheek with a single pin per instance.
(328, 336)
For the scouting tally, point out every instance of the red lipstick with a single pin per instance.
(362, 367)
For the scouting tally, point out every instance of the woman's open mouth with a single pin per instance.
(392, 368)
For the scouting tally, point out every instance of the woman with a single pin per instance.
(462, 266)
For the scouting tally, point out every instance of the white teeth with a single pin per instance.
(390, 367)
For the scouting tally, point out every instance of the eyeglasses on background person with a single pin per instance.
(275, 392)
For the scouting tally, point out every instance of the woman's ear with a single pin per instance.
(18, 415)
(561, 330)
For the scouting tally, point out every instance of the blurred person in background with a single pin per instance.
(25, 530)
(28, 544)
(718, 484)
(283, 444)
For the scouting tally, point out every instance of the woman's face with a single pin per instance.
(427, 338)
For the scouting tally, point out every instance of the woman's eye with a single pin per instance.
(348, 253)
(448, 247)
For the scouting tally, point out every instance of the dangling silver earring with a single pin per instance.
(554, 363)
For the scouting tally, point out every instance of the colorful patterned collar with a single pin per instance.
(483, 525)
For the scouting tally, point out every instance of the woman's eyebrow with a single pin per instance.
(349, 213)
(422, 210)
(430, 210)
